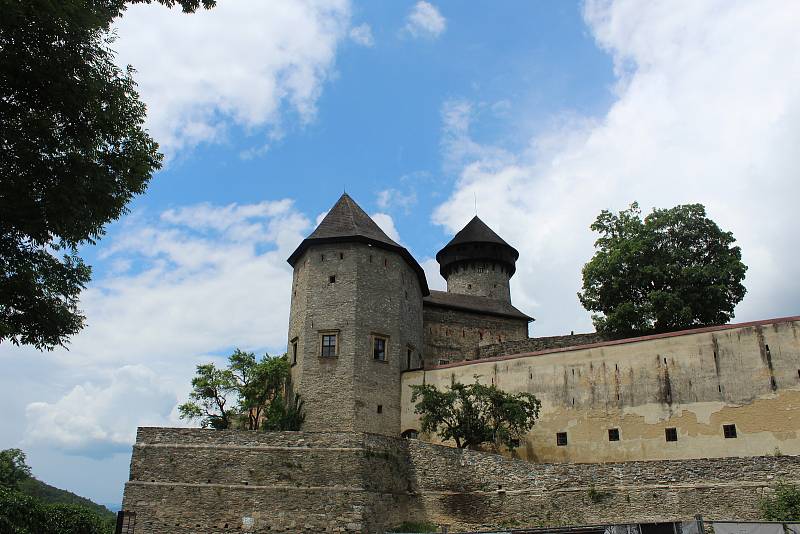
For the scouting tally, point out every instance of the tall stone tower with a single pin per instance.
(355, 323)
(478, 262)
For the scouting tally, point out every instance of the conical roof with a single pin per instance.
(347, 219)
(476, 231)
(347, 222)
(476, 242)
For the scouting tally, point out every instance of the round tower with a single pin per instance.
(355, 323)
(478, 262)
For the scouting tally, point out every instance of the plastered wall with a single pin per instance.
(746, 375)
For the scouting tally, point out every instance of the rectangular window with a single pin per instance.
(671, 434)
(328, 346)
(729, 431)
(613, 434)
(561, 439)
(443, 362)
(379, 348)
(294, 351)
(380, 408)
(332, 279)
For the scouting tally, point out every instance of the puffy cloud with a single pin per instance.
(394, 198)
(386, 223)
(98, 421)
(240, 63)
(707, 110)
(362, 34)
(424, 20)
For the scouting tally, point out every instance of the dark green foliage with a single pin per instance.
(13, 469)
(49, 494)
(474, 414)
(285, 416)
(74, 153)
(22, 514)
(784, 505)
(257, 386)
(675, 269)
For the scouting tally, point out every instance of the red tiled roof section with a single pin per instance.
(623, 341)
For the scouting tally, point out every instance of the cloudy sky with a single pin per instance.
(545, 112)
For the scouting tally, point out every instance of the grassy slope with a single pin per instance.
(47, 493)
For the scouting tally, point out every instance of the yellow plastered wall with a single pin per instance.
(697, 381)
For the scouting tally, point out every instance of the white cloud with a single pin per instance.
(241, 63)
(431, 268)
(98, 421)
(386, 223)
(424, 20)
(362, 34)
(394, 198)
(707, 110)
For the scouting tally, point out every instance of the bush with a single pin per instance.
(21, 514)
(784, 505)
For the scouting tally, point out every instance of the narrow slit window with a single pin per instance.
(671, 434)
(379, 349)
(380, 408)
(561, 439)
(294, 352)
(729, 431)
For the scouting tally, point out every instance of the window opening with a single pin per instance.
(341, 255)
(613, 434)
(294, 352)
(671, 434)
(379, 349)
(561, 439)
(332, 279)
(729, 431)
(328, 345)
(380, 408)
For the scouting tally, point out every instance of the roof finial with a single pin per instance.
(475, 196)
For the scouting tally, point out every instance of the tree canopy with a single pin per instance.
(675, 269)
(13, 468)
(75, 152)
(249, 394)
(473, 414)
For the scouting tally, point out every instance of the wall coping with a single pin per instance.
(703, 330)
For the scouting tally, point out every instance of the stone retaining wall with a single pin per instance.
(536, 344)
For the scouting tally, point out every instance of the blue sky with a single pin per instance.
(545, 112)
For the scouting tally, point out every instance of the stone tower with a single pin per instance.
(478, 262)
(355, 323)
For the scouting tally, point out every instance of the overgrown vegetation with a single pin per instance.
(474, 414)
(415, 526)
(783, 505)
(27, 505)
(675, 269)
(248, 394)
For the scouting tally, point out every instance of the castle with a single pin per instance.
(664, 426)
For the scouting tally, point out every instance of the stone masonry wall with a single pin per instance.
(206, 481)
(535, 344)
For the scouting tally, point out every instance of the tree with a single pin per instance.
(13, 468)
(256, 386)
(209, 398)
(675, 269)
(784, 505)
(74, 153)
(474, 414)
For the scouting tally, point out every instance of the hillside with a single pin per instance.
(50, 494)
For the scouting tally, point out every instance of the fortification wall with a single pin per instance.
(455, 335)
(694, 382)
(536, 344)
(206, 481)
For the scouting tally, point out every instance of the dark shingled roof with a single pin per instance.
(476, 231)
(347, 222)
(471, 303)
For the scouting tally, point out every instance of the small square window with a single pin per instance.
(613, 434)
(443, 362)
(671, 434)
(332, 279)
(380, 408)
(379, 348)
(561, 439)
(328, 346)
(729, 431)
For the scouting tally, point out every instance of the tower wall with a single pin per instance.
(481, 279)
(375, 293)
